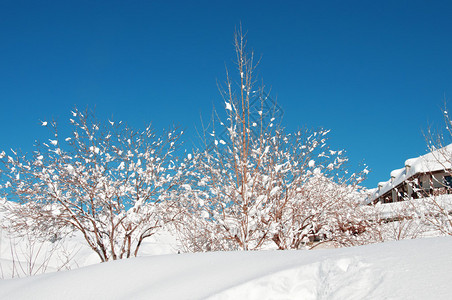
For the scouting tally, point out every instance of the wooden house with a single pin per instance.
(430, 174)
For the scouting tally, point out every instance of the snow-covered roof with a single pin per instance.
(437, 160)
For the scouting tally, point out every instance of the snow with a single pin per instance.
(397, 173)
(414, 206)
(409, 269)
(22, 256)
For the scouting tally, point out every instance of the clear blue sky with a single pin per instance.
(374, 72)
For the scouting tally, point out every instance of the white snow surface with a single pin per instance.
(409, 269)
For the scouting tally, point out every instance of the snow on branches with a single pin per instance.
(107, 181)
(259, 185)
(251, 186)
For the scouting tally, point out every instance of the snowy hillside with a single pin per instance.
(410, 269)
(25, 255)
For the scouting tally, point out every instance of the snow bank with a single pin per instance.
(410, 269)
(22, 256)
(417, 207)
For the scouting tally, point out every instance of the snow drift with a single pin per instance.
(409, 269)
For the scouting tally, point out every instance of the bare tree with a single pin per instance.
(253, 185)
(324, 209)
(31, 255)
(228, 175)
(384, 222)
(106, 181)
(435, 206)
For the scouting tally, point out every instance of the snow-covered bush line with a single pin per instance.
(253, 187)
(105, 181)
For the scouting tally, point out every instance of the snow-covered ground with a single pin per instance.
(406, 208)
(409, 269)
(21, 257)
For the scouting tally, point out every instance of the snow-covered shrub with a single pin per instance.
(108, 182)
(324, 209)
(435, 213)
(435, 209)
(253, 185)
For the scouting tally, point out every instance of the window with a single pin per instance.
(448, 181)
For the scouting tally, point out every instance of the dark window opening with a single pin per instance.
(448, 181)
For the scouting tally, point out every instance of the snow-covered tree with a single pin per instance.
(434, 209)
(323, 208)
(106, 181)
(254, 184)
